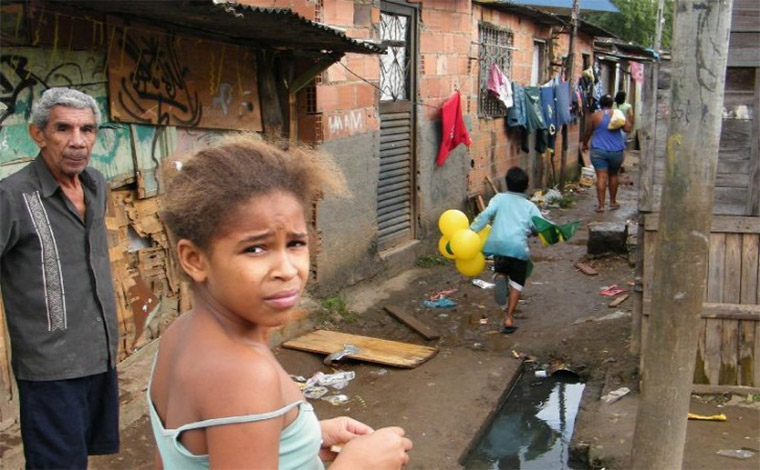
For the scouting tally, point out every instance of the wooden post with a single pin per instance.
(700, 50)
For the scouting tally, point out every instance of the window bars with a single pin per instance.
(394, 64)
(495, 47)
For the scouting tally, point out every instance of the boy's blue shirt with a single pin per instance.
(510, 216)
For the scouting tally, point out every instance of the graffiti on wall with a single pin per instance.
(343, 124)
(25, 73)
(169, 80)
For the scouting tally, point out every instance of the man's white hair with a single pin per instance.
(62, 97)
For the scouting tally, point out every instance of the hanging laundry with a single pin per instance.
(534, 120)
(548, 110)
(637, 72)
(516, 114)
(562, 94)
(453, 129)
(499, 86)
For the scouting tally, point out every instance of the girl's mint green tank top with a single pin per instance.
(299, 442)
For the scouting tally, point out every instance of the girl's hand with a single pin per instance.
(384, 449)
(338, 431)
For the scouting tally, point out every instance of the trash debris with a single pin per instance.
(482, 284)
(541, 374)
(443, 302)
(336, 400)
(618, 301)
(347, 350)
(515, 354)
(718, 417)
(616, 395)
(611, 291)
(338, 380)
(610, 316)
(551, 196)
(442, 294)
(736, 453)
(315, 392)
(585, 269)
(380, 372)
(484, 321)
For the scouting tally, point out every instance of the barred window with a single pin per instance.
(495, 47)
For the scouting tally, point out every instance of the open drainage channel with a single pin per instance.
(533, 427)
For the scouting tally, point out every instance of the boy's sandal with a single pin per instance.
(614, 207)
(599, 209)
(508, 330)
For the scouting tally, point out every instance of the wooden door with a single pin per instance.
(396, 188)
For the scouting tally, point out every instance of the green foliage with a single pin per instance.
(636, 21)
(428, 261)
(334, 310)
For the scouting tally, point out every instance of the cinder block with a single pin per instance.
(606, 238)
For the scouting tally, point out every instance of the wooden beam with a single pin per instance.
(720, 311)
(720, 223)
(416, 325)
(704, 389)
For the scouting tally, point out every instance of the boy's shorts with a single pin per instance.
(62, 421)
(515, 269)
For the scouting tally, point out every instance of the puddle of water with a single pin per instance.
(533, 428)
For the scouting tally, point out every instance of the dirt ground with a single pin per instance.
(444, 403)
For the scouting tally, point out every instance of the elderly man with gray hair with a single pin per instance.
(57, 290)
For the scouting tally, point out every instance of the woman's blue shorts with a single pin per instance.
(607, 160)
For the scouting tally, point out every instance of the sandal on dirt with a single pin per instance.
(614, 207)
(500, 291)
(599, 209)
(508, 330)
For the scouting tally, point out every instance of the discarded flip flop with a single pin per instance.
(508, 330)
(500, 291)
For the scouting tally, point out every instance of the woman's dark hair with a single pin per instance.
(606, 101)
(620, 97)
(517, 180)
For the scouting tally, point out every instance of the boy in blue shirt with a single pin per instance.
(511, 215)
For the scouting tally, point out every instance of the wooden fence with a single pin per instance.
(728, 353)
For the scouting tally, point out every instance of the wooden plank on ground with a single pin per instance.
(416, 325)
(586, 269)
(746, 353)
(649, 253)
(380, 351)
(618, 300)
(749, 279)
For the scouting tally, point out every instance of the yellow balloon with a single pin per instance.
(483, 234)
(473, 266)
(451, 221)
(444, 248)
(465, 244)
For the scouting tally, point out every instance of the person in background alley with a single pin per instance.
(511, 215)
(56, 284)
(217, 396)
(607, 146)
(625, 108)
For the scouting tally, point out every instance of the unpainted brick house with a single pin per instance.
(363, 80)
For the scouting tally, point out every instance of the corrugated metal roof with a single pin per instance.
(523, 10)
(275, 28)
(586, 5)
